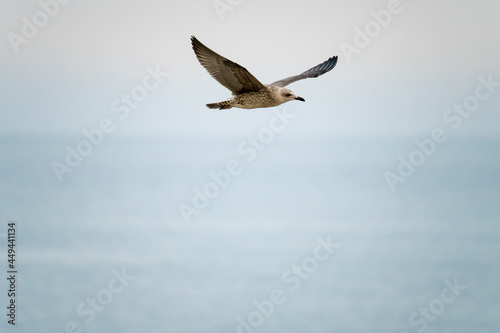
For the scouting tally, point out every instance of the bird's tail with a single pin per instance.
(220, 105)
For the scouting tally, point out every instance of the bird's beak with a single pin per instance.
(300, 99)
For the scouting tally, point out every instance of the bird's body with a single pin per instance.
(266, 97)
(248, 92)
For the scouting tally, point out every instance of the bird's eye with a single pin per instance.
(288, 95)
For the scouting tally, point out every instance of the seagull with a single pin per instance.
(248, 92)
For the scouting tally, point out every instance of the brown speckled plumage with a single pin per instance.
(248, 92)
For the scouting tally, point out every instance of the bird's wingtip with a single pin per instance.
(333, 60)
(195, 43)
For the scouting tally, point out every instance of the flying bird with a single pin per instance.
(248, 92)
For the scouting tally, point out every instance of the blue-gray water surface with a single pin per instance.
(305, 236)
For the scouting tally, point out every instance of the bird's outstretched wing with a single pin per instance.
(313, 72)
(231, 75)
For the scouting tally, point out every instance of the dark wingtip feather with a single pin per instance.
(330, 63)
(324, 67)
(334, 60)
(195, 43)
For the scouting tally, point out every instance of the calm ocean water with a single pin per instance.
(107, 249)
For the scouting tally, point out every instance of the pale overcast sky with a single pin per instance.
(420, 61)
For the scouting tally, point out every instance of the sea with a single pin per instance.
(241, 235)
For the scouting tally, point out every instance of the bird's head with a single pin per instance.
(288, 95)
